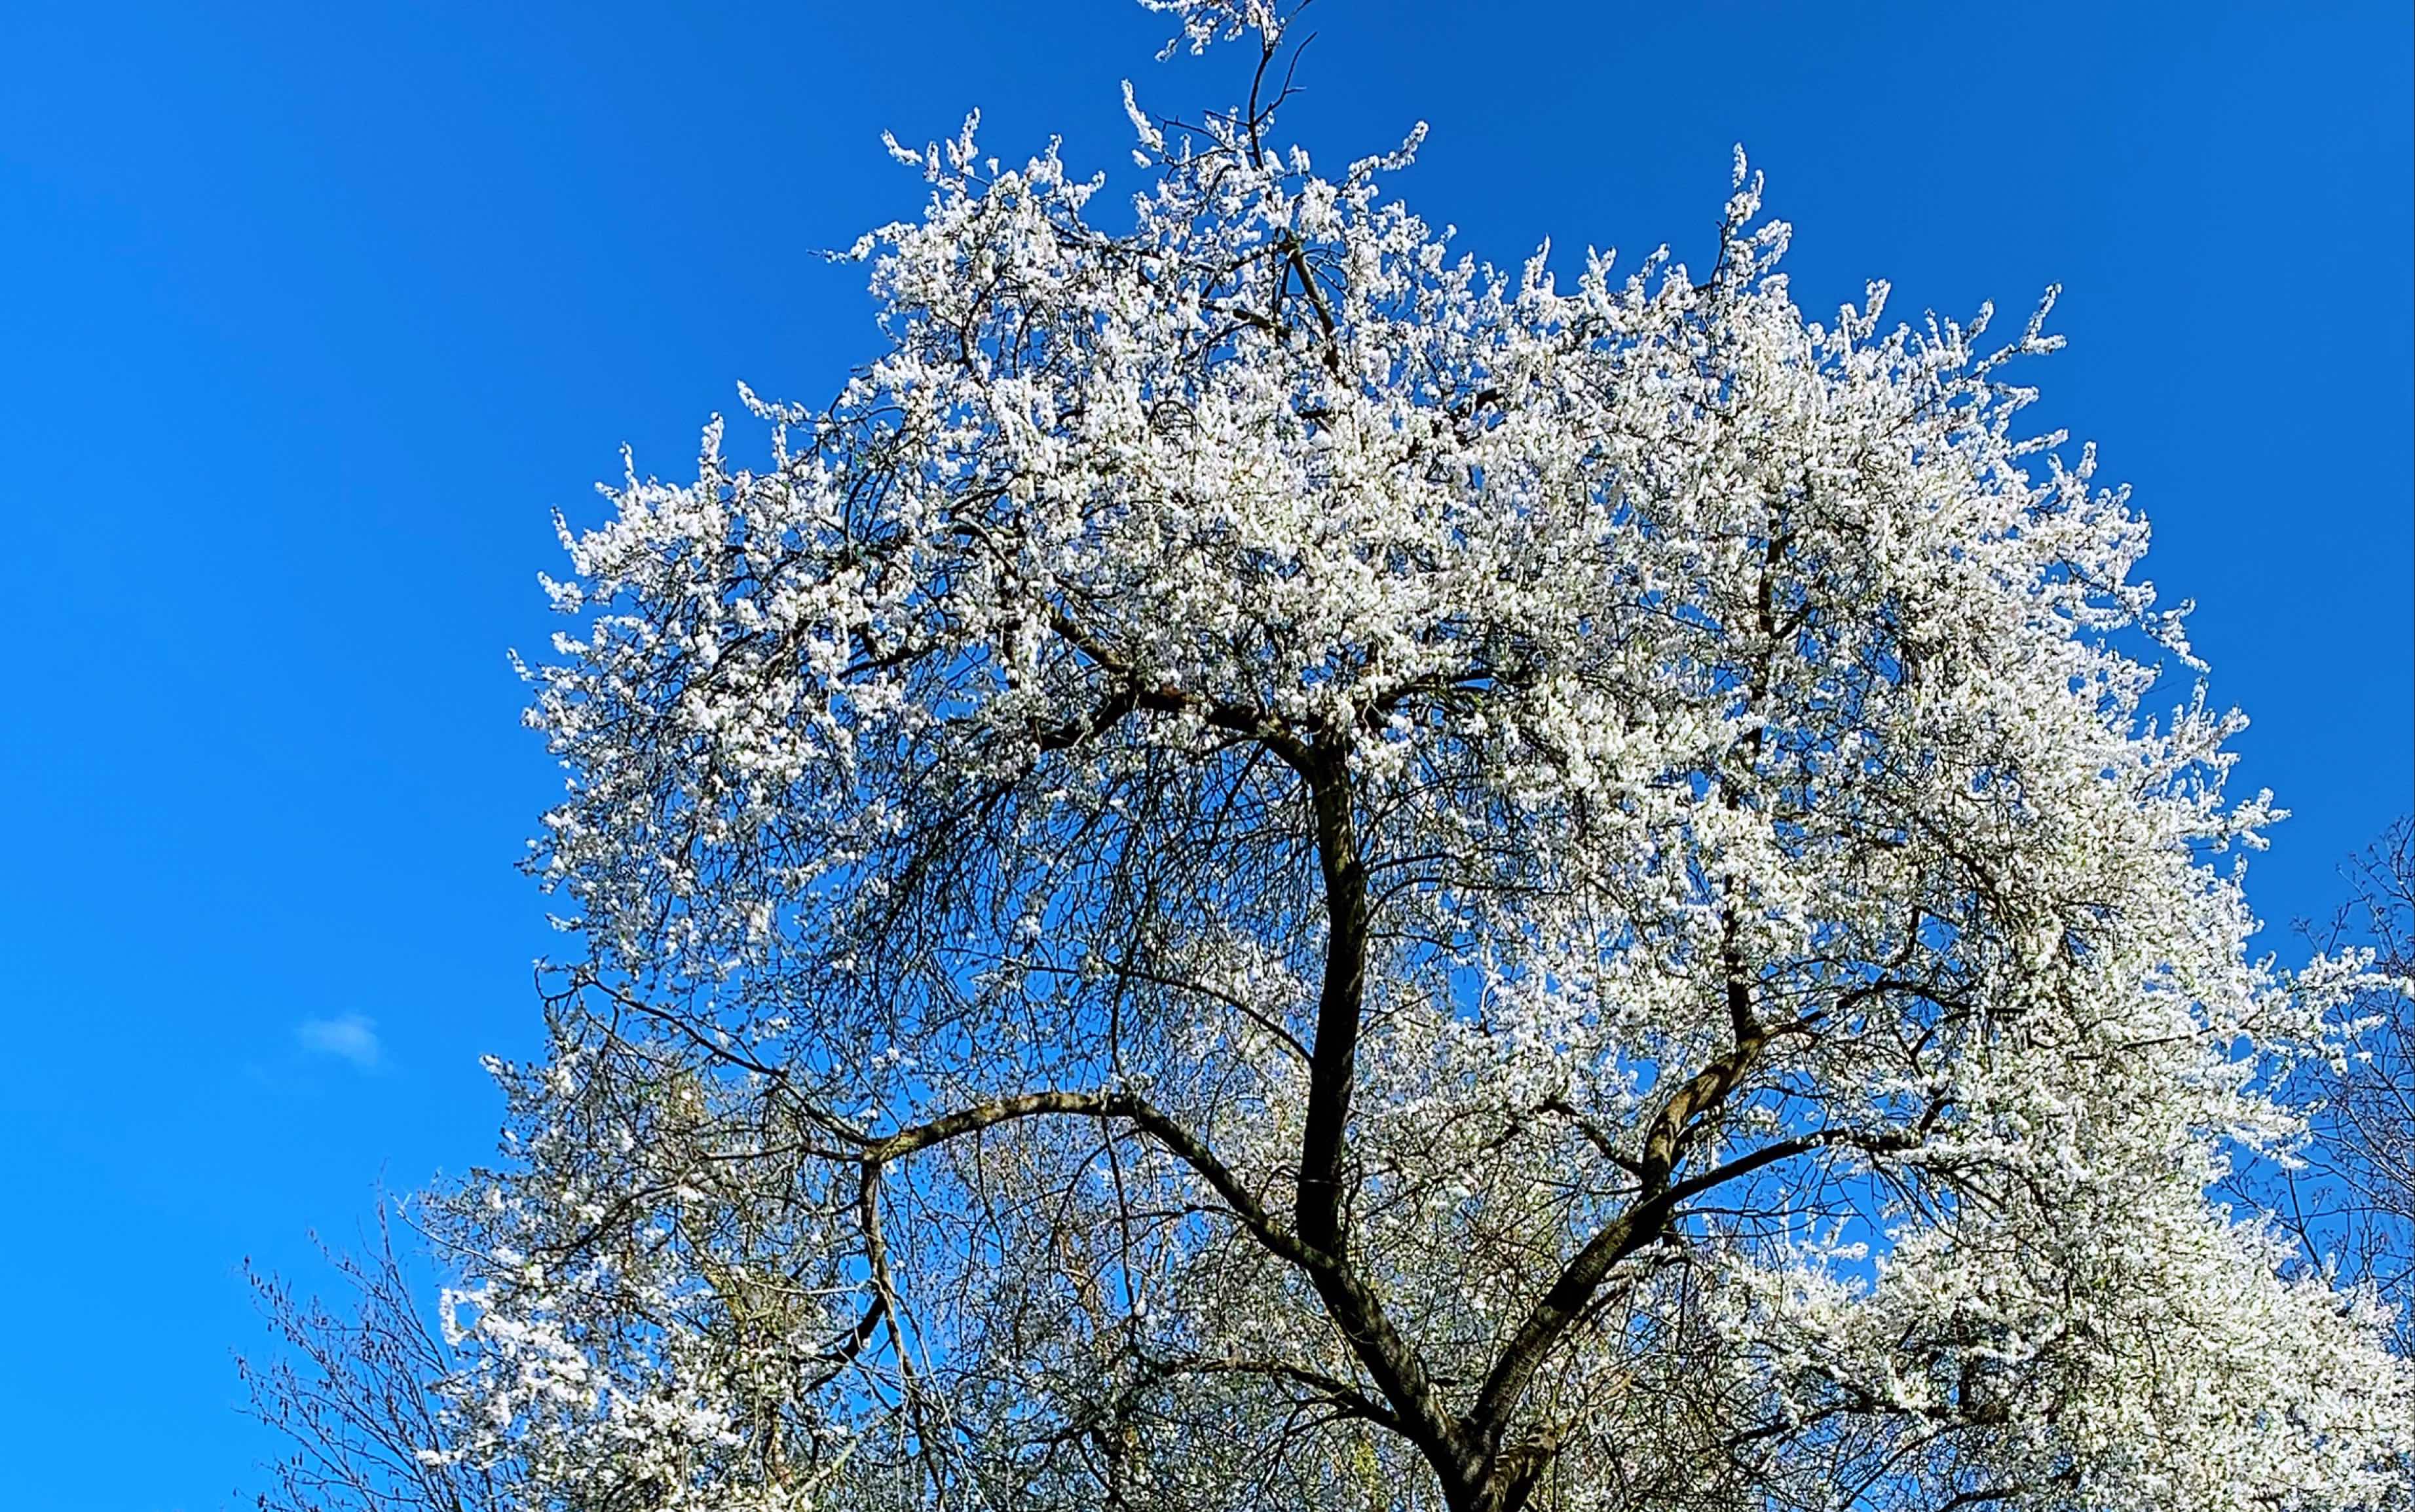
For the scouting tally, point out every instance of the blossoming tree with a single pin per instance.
(1272, 869)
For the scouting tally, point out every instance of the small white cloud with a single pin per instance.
(350, 1037)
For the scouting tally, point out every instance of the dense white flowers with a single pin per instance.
(1275, 868)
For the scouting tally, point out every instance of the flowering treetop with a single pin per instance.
(1275, 868)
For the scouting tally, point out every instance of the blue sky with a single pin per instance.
(313, 312)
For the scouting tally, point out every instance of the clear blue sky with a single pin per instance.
(312, 313)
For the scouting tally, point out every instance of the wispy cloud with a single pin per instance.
(347, 1036)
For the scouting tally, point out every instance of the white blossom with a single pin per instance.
(1272, 867)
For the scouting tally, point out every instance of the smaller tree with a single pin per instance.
(2347, 1195)
(356, 1393)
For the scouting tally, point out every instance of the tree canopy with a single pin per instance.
(1275, 868)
